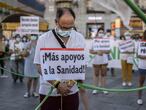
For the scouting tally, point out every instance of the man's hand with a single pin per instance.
(142, 57)
(70, 83)
(128, 52)
(100, 53)
(106, 51)
(63, 89)
(93, 52)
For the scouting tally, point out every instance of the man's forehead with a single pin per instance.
(66, 19)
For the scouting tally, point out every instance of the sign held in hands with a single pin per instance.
(63, 64)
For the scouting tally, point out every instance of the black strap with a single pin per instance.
(58, 39)
(63, 46)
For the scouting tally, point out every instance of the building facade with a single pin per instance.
(88, 18)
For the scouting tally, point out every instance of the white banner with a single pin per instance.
(142, 48)
(125, 46)
(101, 44)
(63, 64)
(29, 24)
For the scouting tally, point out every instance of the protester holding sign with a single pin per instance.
(65, 96)
(126, 47)
(101, 51)
(142, 66)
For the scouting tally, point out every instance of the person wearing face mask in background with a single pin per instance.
(17, 61)
(65, 95)
(100, 63)
(30, 70)
(26, 41)
(127, 61)
(109, 35)
(112, 41)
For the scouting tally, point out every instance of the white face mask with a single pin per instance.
(64, 33)
(127, 37)
(24, 39)
(108, 34)
(33, 38)
(100, 35)
(18, 39)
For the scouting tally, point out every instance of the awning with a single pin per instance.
(16, 9)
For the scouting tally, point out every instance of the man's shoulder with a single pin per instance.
(45, 35)
(78, 35)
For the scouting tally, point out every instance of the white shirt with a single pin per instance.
(48, 40)
(99, 59)
(14, 46)
(26, 44)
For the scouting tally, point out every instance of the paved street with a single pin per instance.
(11, 96)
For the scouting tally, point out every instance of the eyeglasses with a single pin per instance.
(100, 33)
(66, 28)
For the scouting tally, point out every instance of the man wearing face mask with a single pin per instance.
(17, 62)
(65, 95)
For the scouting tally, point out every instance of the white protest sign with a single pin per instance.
(115, 62)
(125, 46)
(101, 44)
(63, 64)
(142, 48)
(29, 24)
